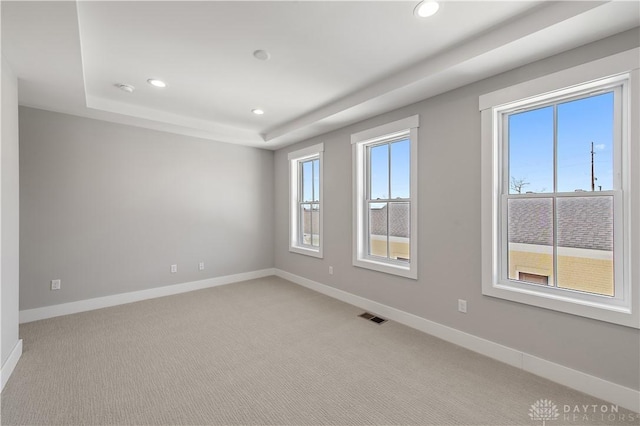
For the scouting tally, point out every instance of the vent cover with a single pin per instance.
(373, 318)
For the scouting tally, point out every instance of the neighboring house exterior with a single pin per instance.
(584, 240)
(311, 226)
(397, 215)
(584, 234)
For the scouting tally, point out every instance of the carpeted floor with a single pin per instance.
(263, 352)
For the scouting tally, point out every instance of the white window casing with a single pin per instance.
(618, 73)
(404, 128)
(296, 219)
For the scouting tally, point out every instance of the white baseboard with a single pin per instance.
(583, 382)
(10, 364)
(36, 314)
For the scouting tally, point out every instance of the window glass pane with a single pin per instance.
(305, 214)
(307, 181)
(530, 233)
(379, 171)
(400, 169)
(585, 244)
(378, 229)
(315, 225)
(399, 231)
(316, 180)
(531, 151)
(583, 124)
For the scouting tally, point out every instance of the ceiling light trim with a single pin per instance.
(540, 19)
(262, 55)
(125, 87)
(426, 9)
(155, 82)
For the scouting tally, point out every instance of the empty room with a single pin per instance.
(320, 212)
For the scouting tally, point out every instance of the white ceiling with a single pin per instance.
(332, 62)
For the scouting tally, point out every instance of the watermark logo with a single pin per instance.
(544, 410)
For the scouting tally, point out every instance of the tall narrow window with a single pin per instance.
(385, 197)
(305, 169)
(557, 192)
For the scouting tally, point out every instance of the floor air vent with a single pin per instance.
(373, 318)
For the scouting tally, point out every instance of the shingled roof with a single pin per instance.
(398, 220)
(583, 222)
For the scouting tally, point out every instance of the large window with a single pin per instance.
(557, 193)
(305, 171)
(385, 198)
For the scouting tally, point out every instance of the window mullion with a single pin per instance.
(555, 148)
(389, 198)
(366, 235)
(554, 205)
(301, 224)
(388, 214)
(299, 215)
(313, 197)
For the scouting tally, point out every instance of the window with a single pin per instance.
(305, 171)
(557, 191)
(385, 198)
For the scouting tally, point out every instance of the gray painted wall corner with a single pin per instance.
(449, 233)
(108, 208)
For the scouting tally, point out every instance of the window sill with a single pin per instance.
(387, 268)
(621, 315)
(306, 251)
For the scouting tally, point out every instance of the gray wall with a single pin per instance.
(449, 233)
(9, 219)
(107, 208)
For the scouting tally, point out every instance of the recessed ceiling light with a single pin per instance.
(125, 87)
(262, 55)
(257, 111)
(156, 83)
(426, 8)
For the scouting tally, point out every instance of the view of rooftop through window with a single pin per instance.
(310, 207)
(562, 240)
(389, 189)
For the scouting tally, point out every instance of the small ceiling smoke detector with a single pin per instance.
(426, 8)
(156, 83)
(257, 111)
(262, 55)
(125, 87)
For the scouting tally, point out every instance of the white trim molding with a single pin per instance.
(619, 75)
(386, 129)
(10, 364)
(583, 382)
(296, 221)
(361, 172)
(36, 314)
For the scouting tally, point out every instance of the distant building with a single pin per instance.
(584, 234)
(584, 240)
(397, 216)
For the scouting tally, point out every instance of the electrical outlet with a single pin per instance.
(462, 306)
(201, 266)
(330, 270)
(55, 284)
(174, 269)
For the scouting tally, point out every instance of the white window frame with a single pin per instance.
(360, 141)
(296, 158)
(620, 70)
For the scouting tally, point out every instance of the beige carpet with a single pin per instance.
(262, 352)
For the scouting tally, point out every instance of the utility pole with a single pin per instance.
(593, 176)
